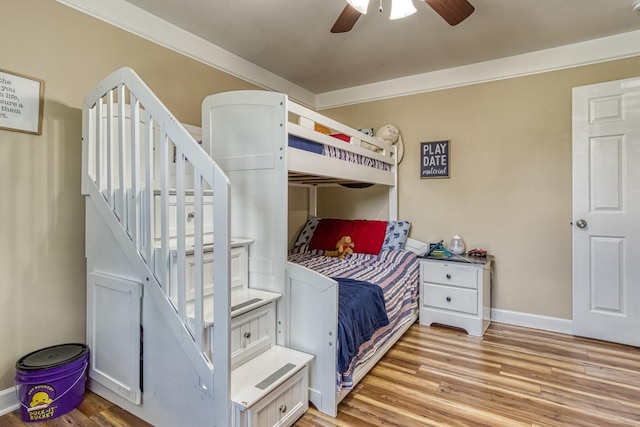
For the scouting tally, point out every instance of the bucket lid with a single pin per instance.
(51, 357)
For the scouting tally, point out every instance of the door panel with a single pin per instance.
(606, 197)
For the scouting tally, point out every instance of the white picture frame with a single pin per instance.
(21, 103)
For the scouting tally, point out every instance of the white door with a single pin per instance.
(606, 211)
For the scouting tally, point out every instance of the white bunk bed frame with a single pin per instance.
(136, 156)
(248, 132)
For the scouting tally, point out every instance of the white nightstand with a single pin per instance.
(456, 293)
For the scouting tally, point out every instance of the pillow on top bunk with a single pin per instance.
(396, 234)
(368, 235)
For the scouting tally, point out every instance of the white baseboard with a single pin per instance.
(8, 401)
(545, 323)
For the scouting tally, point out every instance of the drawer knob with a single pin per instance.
(448, 276)
(282, 409)
(448, 299)
(247, 335)
(191, 215)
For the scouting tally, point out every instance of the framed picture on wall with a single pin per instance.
(435, 159)
(21, 102)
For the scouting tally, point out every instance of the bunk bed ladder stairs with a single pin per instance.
(131, 145)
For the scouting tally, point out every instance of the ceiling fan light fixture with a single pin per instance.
(359, 5)
(401, 9)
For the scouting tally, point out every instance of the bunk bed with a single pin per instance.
(160, 203)
(264, 141)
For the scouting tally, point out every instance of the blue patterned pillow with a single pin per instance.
(307, 231)
(396, 235)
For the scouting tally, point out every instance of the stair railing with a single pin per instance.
(137, 160)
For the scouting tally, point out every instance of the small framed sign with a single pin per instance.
(434, 159)
(21, 102)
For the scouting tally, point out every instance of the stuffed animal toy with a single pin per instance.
(344, 247)
(391, 135)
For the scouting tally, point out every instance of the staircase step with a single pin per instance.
(242, 301)
(259, 376)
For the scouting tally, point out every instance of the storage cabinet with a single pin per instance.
(284, 405)
(271, 389)
(252, 333)
(456, 293)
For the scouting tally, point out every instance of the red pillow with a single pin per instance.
(367, 235)
(342, 137)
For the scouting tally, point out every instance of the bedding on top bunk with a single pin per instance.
(336, 153)
(394, 270)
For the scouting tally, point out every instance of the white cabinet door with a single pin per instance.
(113, 334)
(606, 211)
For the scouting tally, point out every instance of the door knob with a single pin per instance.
(581, 223)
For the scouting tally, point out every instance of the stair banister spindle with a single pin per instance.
(198, 260)
(109, 147)
(122, 155)
(134, 196)
(164, 206)
(97, 144)
(149, 225)
(180, 221)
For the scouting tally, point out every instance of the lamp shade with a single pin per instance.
(360, 5)
(401, 9)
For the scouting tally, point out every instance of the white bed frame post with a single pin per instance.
(393, 189)
(248, 134)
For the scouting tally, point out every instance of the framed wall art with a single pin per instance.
(21, 102)
(435, 159)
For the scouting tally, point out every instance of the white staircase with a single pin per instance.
(164, 207)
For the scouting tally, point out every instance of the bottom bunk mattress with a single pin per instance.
(395, 272)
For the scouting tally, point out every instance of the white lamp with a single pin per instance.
(401, 9)
(360, 5)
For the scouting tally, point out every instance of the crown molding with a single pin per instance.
(620, 46)
(137, 21)
(141, 23)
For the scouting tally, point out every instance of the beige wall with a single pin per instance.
(509, 191)
(510, 185)
(42, 287)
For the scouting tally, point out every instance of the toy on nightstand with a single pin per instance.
(477, 252)
(437, 249)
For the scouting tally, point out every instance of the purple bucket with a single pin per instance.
(51, 381)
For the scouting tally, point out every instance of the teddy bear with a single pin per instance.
(391, 135)
(344, 247)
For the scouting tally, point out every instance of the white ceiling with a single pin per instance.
(291, 38)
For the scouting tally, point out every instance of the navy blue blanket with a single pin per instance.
(361, 312)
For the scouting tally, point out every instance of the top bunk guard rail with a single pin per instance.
(127, 133)
(304, 122)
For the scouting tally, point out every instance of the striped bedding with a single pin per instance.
(395, 271)
(337, 153)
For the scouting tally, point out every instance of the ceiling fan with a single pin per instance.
(452, 11)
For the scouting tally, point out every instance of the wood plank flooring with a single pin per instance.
(438, 376)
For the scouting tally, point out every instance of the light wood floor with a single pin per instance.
(442, 377)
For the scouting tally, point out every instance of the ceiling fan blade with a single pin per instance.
(452, 11)
(346, 20)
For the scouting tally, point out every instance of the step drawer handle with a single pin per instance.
(448, 299)
(448, 276)
(282, 408)
(247, 335)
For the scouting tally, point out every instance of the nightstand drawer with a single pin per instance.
(450, 274)
(450, 298)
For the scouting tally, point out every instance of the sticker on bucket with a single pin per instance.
(41, 396)
(51, 381)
